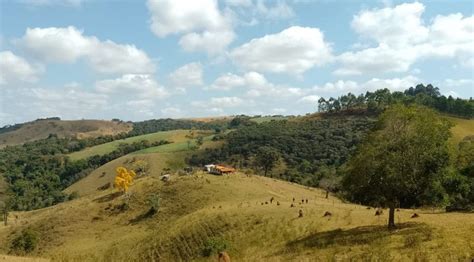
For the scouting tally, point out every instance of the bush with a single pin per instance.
(26, 242)
(214, 246)
(154, 203)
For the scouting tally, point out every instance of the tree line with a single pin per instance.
(381, 99)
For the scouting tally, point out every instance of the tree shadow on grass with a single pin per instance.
(108, 197)
(146, 215)
(359, 236)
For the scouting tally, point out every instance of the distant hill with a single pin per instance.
(40, 129)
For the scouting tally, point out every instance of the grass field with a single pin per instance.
(462, 128)
(232, 209)
(174, 136)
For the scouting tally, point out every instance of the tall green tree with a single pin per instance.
(401, 163)
(267, 158)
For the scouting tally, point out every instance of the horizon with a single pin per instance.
(222, 58)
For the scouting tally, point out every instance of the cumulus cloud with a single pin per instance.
(396, 26)
(16, 69)
(312, 99)
(68, 44)
(133, 85)
(188, 75)
(402, 38)
(204, 27)
(65, 102)
(255, 85)
(292, 51)
(342, 86)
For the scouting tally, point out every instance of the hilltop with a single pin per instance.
(41, 129)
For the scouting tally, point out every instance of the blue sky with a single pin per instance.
(137, 60)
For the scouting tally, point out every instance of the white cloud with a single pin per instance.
(340, 87)
(312, 99)
(204, 26)
(379, 59)
(16, 69)
(397, 26)
(239, 3)
(132, 85)
(171, 112)
(74, 3)
(467, 83)
(292, 51)
(256, 85)
(227, 82)
(188, 75)
(68, 103)
(281, 10)
(402, 39)
(68, 44)
(219, 102)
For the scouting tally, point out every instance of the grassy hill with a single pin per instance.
(170, 156)
(232, 210)
(63, 128)
(175, 136)
(462, 128)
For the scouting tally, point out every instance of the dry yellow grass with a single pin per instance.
(196, 208)
(63, 128)
(5, 258)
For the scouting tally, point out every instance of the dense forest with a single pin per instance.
(307, 146)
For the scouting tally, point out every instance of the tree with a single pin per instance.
(199, 141)
(329, 180)
(123, 179)
(401, 163)
(266, 158)
(4, 207)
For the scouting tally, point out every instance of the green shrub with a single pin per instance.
(154, 203)
(26, 242)
(214, 246)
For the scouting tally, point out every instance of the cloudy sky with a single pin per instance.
(136, 60)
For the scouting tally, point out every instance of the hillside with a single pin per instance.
(40, 129)
(462, 128)
(170, 156)
(229, 209)
(172, 136)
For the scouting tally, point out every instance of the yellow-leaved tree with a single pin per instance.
(123, 179)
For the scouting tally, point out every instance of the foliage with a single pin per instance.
(156, 125)
(266, 158)
(123, 179)
(154, 203)
(140, 167)
(403, 162)
(214, 246)
(381, 99)
(26, 242)
(305, 145)
(38, 171)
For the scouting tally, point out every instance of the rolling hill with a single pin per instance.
(236, 210)
(171, 136)
(40, 129)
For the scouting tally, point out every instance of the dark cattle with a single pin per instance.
(327, 214)
(415, 215)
